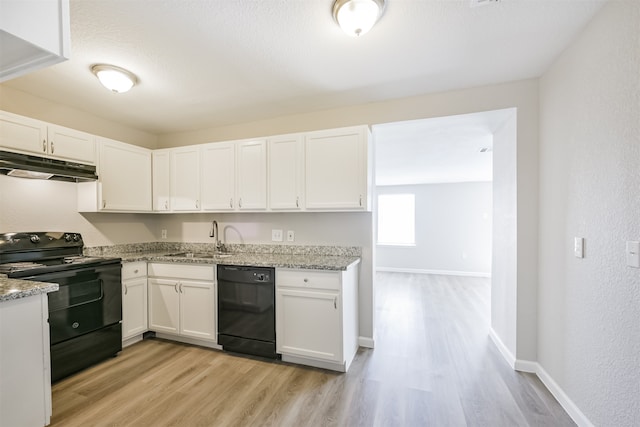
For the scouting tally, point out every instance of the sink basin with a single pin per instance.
(207, 255)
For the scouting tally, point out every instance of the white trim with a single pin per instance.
(188, 340)
(506, 353)
(324, 364)
(132, 340)
(526, 366)
(534, 367)
(572, 409)
(425, 271)
(365, 342)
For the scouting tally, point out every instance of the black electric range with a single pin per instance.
(85, 314)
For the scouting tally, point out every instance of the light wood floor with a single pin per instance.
(433, 365)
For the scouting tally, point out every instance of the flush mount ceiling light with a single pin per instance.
(114, 78)
(356, 17)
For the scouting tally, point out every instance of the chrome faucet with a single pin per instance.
(214, 233)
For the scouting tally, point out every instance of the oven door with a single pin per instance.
(89, 299)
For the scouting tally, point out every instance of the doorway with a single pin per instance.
(461, 171)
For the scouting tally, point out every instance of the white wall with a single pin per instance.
(25, 104)
(453, 230)
(589, 320)
(37, 205)
(504, 261)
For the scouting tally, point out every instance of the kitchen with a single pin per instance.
(18, 200)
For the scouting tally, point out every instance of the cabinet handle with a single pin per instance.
(197, 204)
(297, 202)
(181, 288)
(104, 204)
(166, 205)
(135, 271)
(305, 280)
(175, 287)
(125, 289)
(44, 146)
(231, 202)
(335, 302)
(240, 202)
(52, 148)
(361, 200)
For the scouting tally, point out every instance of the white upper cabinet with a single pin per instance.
(286, 172)
(124, 173)
(161, 165)
(185, 178)
(30, 136)
(337, 174)
(234, 176)
(251, 175)
(70, 144)
(33, 36)
(218, 176)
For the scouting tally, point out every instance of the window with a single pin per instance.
(396, 219)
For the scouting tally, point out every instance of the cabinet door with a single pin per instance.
(18, 133)
(125, 176)
(336, 169)
(197, 305)
(285, 172)
(218, 176)
(134, 307)
(164, 305)
(308, 323)
(70, 144)
(251, 177)
(185, 179)
(161, 165)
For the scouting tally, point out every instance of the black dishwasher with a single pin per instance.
(246, 310)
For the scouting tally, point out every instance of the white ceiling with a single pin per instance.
(209, 63)
(438, 150)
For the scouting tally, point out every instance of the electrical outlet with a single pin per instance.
(164, 234)
(276, 235)
(290, 236)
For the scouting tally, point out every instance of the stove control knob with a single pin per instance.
(68, 238)
(34, 238)
(76, 237)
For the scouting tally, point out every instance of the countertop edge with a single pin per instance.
(13, 289)
(306, 262)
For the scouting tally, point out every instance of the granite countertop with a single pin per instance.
(11, 289)
(298, 261)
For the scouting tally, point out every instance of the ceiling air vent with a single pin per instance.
(476, 3)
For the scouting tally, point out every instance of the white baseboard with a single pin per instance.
(365, 342)
(534, 367)
(506, 353)
(526, 366)
(572, 409)
(425, 271)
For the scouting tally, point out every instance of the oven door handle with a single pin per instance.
(84, 302)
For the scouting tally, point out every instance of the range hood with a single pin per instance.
(26, 166)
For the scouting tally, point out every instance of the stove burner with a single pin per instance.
(18, 266)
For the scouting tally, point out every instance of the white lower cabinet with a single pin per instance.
(25, 367)
(317, 317)
(134, 300)
(182, 300)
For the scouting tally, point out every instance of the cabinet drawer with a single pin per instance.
(131, 270)
(182, 271)
(309, 279)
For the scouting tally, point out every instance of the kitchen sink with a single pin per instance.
(207, 255)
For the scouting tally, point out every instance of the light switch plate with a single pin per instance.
(290, 236)
(578, 247)
(633, 254)
(276, 235)
(164, 234)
